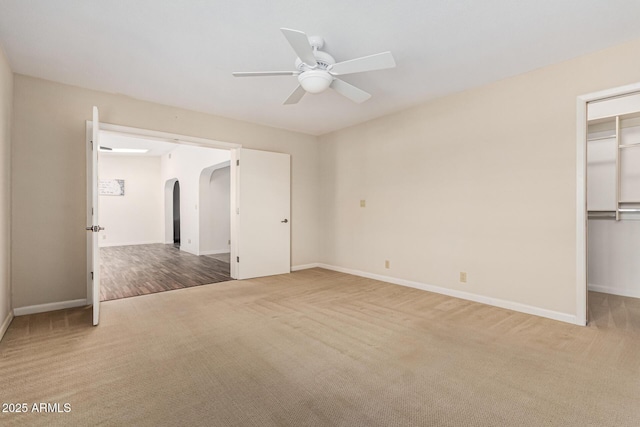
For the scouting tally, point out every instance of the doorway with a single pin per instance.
(152, 232)
(602, 203)
(176, 214)
(264, 195)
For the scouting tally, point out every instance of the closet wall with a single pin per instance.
(613, 196)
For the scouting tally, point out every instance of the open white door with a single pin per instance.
(93, 252)
(263, 209)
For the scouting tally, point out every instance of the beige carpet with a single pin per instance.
(319, 348)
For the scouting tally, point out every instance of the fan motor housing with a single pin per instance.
(323, 59)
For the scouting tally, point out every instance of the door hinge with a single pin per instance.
(237, 162)
(91, 211)
(91, 145)
(237, 259)
(92, 275)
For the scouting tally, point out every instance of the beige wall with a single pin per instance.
(6, 103)
(48, 252)
(482, 181)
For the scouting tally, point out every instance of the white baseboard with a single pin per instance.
(110, 244)
(634, 293)
(304, 266)
(52, 306)
(6, 323)
(215, 252)
(509, 305)
(183, 248)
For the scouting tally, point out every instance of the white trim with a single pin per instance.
(52, 306)
(6, 323)
(110, 244)
(634, 293)
(581, 191)
(581, 212)
(509, 305)
(216, 252)
(88, 207)
(305, 266)
(167, 137)
(183, 248)
(233, 212)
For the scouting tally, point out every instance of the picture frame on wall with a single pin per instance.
(111, 187)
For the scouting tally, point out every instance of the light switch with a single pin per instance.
(363, 203)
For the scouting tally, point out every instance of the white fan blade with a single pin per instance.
(378, 61)
(300, 44)
(295, 96)
(265, 73)
(350, 91)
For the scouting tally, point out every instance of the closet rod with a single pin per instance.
(599, 216)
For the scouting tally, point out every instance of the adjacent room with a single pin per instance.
(147, 189)
(361, 213)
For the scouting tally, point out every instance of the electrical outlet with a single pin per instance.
(104, 237)
(386, 263)
(463, 277)
(363, 203)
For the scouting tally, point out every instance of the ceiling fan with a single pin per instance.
(317, 70)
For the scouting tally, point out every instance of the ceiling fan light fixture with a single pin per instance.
(315, 81)
(316, 70)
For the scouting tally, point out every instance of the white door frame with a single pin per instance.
(581, 191)
(185, 140)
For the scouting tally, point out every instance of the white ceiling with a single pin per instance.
(182, 53)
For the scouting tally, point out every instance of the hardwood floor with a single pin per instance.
(128, 271)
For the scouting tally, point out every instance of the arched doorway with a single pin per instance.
(176, 214)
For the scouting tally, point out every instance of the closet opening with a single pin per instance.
(613, 211)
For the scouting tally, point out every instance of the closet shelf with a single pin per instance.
(624, 214)
(601, 138)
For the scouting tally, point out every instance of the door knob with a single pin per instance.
(94, 228)
(285, 220)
